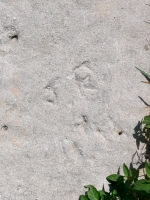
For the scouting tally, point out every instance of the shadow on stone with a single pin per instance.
(138, 135)
(144, 101)
(143, 153)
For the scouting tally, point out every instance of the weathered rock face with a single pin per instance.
(68, 86)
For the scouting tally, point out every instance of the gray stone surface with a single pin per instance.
(68, 86)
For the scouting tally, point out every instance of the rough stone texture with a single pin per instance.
(68, 86)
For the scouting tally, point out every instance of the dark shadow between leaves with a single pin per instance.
(131, 165)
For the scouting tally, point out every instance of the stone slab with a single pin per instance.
(68, 87)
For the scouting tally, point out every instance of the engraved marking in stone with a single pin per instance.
(83, 77)
(4, 128)
(12, 32)
(50, 91)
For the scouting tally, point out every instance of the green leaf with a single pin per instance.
(146, 120)
(128, 183)
(145, 74)
(115, 178)
(134, 173)
(147, 126)
(82, 197)
(142, 186)
(126, 171)
(93, 194)
(104, 195)
(147, 167)
(148, 135)
(115, 194)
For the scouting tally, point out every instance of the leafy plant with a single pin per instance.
(126, 187)
(146, 76)
(146, 120)
(129, 186)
